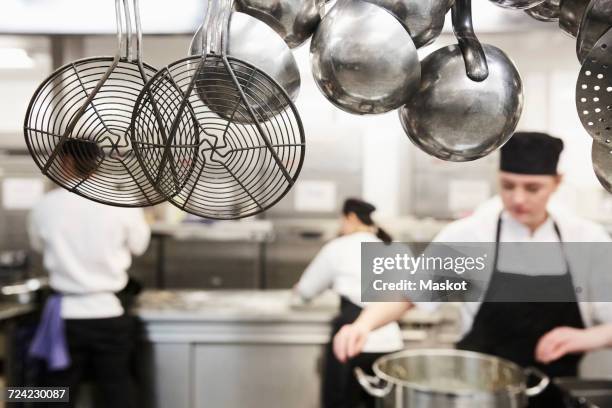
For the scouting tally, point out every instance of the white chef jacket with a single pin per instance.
(481, 227)
(87, 250)
(338, 266)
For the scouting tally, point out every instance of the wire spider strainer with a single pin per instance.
(594, 91)
(244, 160)
(86, 106)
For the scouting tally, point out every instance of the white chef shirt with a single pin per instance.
(87, 250)
(481, 227)
(338, 266)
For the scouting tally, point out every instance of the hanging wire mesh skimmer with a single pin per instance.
(77, 123)
(225, 131)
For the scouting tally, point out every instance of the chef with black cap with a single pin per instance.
(337, 266)
(530, 334)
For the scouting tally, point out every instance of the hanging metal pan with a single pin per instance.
(570, 15)
(293, 20)
(357, 71)
(597, 19)
(252, 41)
(424, 19)
(601, 154)
(248, 154)
(77, 123)
(470, 98)
(517, 4)
(547, 11)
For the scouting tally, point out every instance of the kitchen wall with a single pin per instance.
(545, 58)
(17, 83)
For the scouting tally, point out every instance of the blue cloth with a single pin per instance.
(49, 342)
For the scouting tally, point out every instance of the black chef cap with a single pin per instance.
(531, 153)
(354, 205)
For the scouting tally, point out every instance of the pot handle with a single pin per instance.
(373, 385)
(540, 386)
(475, 60)
(320, 4)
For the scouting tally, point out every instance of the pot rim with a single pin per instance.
(510, 389)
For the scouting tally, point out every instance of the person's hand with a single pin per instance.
(567, 340)
(349, 341)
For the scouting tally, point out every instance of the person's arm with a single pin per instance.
(318, 276)
(568, 340)
(349, 341)
(138, 232)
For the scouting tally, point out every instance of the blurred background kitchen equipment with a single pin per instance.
(254, 42)
(444, 378)
(454, 117)
(423, 19)
(360, 72)
(548, 11)
(594, 90)
(585, 392)
(601, 154)
(24, 292)
(570, 15)
(517, 4)
(293, 20)
(597, 19)
(248, 155)
(91, 100)
(14, 265)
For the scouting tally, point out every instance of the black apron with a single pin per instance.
(340, 388)
(101, 351)
(511, 330)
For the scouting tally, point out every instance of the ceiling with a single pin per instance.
(73, 17)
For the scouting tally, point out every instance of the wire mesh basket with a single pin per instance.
(78, 120)
(231, 142)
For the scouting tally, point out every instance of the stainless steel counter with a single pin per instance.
(246, 348)
(248, 305)
(9, 310)
(163, 310)
(231, 305)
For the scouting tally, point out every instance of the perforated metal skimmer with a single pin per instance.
(91, 101)
(234, 141)
(594, 90)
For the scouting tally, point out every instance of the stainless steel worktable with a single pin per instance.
(9, 310)
(245, 348)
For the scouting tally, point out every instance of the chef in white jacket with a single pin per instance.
(548, 335)
(87, 248)
(337, 266)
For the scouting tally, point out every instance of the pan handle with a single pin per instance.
(540, 386)
(373, 385)
(473, 54)
(320, 5)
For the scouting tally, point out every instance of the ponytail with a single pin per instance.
(364, 211)
(383, 235)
